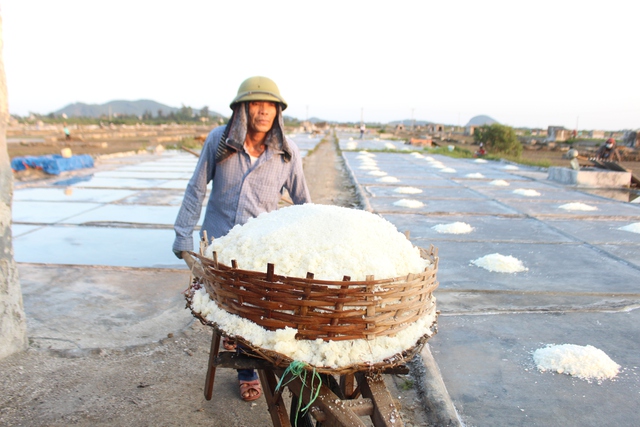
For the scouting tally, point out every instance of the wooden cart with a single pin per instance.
(342, 399)
(345, 395)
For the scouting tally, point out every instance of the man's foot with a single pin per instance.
(229, 344)
(250, 390)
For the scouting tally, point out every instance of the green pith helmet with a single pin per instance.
(259, 89)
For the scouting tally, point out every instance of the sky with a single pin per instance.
(523, 63)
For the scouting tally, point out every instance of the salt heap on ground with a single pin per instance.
(500, 263)
(329, 241)
(586, 362)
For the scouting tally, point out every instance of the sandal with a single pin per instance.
(229, 344)
(250, 390)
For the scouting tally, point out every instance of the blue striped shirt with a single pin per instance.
(240, 190)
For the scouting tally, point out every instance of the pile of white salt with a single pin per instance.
(453, 228)
(408, 190)
(577, 207)
(409, 203)
(329, 241)
(634, 228)
(585, 362)
(526, 192)
(500, 263)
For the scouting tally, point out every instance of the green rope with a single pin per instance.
(296, 369)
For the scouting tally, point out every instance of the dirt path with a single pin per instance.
(327, 179)
(160, 383)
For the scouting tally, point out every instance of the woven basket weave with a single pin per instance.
(280, 361)
(330, 310)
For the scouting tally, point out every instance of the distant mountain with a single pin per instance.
(481, 121)
(136, 108)
(409, 122)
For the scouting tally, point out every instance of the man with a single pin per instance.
(608, 152)
(250, 162)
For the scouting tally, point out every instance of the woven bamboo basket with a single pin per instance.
(329, 310)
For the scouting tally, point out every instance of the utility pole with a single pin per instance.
(413, 121)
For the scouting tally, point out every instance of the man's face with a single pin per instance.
(261, 115)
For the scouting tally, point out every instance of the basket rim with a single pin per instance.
(431, 253)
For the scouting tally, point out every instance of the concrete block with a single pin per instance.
(590, 178)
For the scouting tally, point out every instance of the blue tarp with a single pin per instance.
(52, 164)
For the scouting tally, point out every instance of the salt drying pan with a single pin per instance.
(408, 190)
(500, 263)
(578, 207)
(585, 362)
(330, 241)
(634, 228)
(331, 354)
(453, 228)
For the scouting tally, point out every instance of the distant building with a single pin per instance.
(558, 134)
(470, 130)
(434, 128)
(596, 134)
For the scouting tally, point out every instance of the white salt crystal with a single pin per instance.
(319, 353)
(390, 146)
(377, 173)
(429, 159)
(511, 168)
(474, 175)
(500, 263)
(453, 228)
(368, 167)
(438, 165)
(578, 207)
(408, 190)
(525, 192)
(634, 228)
(409, 203)
(480, 161)
(585, 362)
(417, 155)
(499, 183)
(329, 241)
(388, 179)
(448, 170)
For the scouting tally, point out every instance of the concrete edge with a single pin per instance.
(363, 200)
(432, 391)
(72, 353)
